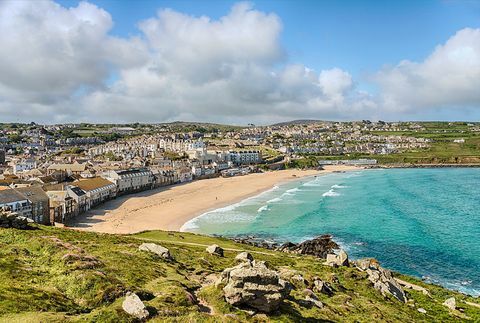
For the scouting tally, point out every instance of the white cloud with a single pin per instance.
(221, 70)
(61, 64)
(50, 54)
(448, 78)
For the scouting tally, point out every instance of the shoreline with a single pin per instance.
(169, 208)
(390, 166)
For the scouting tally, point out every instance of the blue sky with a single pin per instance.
(266, 60)
(358, 36)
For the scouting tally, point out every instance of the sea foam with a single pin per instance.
(331, 193)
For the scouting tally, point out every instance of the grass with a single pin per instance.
(39, 283)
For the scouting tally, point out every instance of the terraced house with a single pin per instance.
(130, 180)
(39, 203)
(97, 190)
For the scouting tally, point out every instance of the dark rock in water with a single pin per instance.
(318, 247)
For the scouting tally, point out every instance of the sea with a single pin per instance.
(423, 222)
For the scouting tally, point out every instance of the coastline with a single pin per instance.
(169, 208)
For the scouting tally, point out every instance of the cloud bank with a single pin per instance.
(61, 64)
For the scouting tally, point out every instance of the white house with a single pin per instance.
(246, 157)
(24, 165)
(130, 180)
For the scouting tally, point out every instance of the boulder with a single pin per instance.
(252, 284)
(311, 299)
(134, 306)
(320, 286)
(382, 279)
(451, 303)
(13, 220)
(314, 301)
(318, 247)
(422, 310)
(215, 250)
(337, 260)
(244, 256)
(156, 249)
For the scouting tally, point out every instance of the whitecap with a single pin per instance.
(263, 208)
(331, 193)
(338, 186)
(312, 184)
(292, 190)
(277, 199)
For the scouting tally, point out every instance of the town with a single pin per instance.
(52, 173)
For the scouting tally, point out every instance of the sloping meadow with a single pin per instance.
(49, 274)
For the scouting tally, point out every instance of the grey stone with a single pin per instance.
(244, 256)
(134, 306)
(215, 250)
(381, 278)
(156, 249)
(320, 286)
(422, 310)
(253, 285)
(451, 303)
(337, 260)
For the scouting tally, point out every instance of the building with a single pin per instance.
(69, 169)
(97, 189)
(245, 157)
(14, 201)
(24, 165)
(62, 206)
(2, 157)
(39, 203)
(80, 197)
(130, 180)
(162, 177)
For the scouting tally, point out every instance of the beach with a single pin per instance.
(168, 208)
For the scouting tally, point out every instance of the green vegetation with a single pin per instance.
(59, 275)
(303, 163)
(443, 148)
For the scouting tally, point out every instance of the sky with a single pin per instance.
(236, 62)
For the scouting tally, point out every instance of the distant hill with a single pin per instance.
(295, 122)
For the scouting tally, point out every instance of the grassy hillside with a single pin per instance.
(50, 274)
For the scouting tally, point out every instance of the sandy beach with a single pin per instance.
(170, 207)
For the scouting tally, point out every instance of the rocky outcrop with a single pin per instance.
(451, 303)
(381, 279)
(156, 249)
(252, 284)
(319, 247)
(244, 256)
(337, 260)
(134, 306)
(215, 249)
(408, 285)
(13, 220)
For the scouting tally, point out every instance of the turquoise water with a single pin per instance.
(422, 222)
